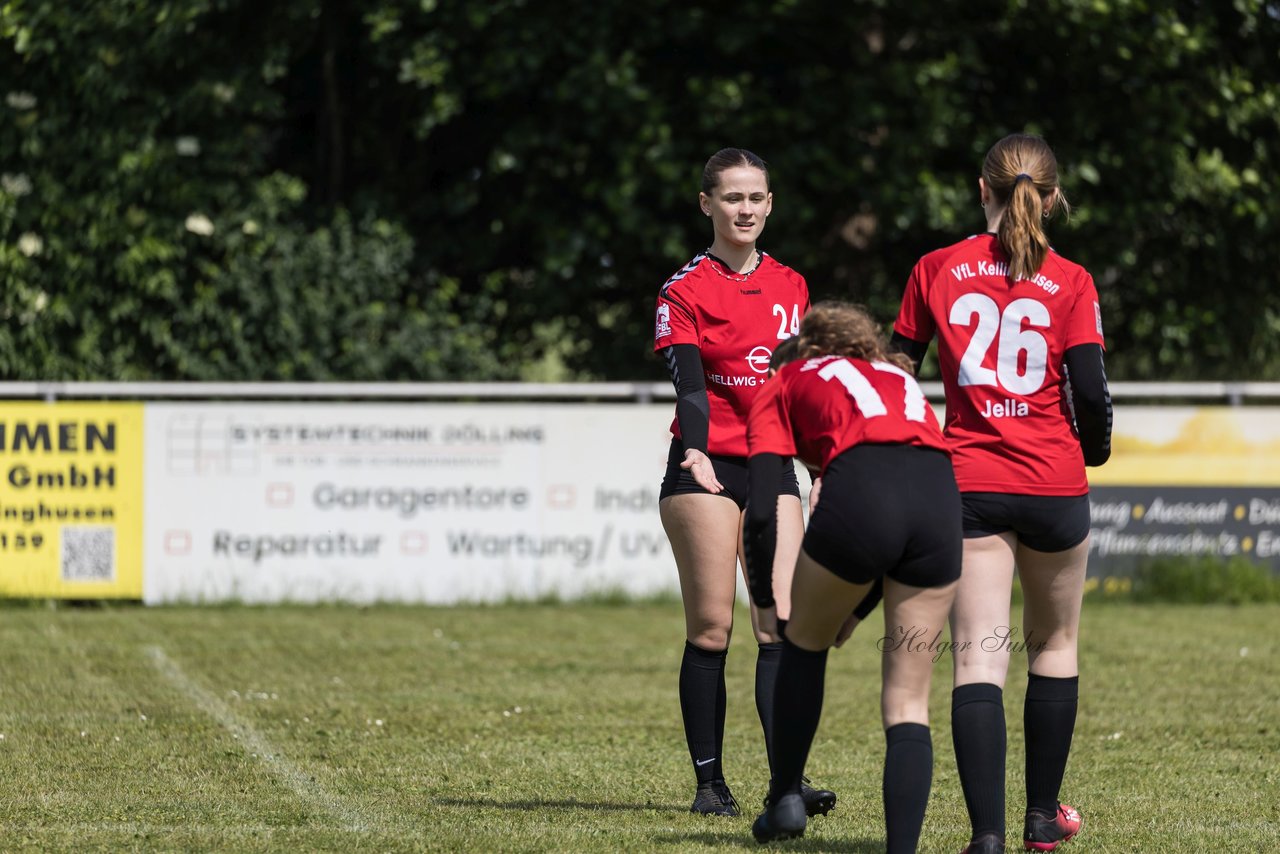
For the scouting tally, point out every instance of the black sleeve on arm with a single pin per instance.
(760, 530)
(871, 600)
(693, 409)
(914, 350)
(1089, 400)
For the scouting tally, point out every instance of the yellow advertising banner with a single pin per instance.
(1193, 446)
(1187, 481)
(71, 478)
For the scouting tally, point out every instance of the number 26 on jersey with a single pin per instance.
(1014, 334)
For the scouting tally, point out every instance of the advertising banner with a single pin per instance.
(403, 502)
(71, 500)
(450, 502)
(1187, 481)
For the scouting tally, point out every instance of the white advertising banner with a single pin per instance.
(432, 503)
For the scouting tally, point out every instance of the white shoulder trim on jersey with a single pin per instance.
(684, 271)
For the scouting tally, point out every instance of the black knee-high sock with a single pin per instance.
(1049, 715)
(908, 774)
(702, 700)
(797, 707)
(978, 732)
(766, 678)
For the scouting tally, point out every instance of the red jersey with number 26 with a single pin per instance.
(735, 320)
(1000, 350)
(816, 408)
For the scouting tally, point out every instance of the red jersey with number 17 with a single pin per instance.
(735, 320)
(815, 409)
(1000, 350)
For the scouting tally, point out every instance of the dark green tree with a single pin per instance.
(431, 190)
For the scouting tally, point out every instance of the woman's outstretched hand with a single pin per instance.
(699, 465)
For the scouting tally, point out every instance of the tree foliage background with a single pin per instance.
(441, 189)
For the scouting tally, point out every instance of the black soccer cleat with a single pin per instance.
(816, 801)
(784, 820)
(987, 843)
(714, 798)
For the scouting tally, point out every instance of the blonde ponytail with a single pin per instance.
(1021, 234)
(1021, 173)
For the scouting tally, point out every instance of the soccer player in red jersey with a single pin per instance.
(718, 320)
(890, 510)
(1020, 348)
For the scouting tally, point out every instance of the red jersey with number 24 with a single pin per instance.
(815, 409)
(735, 320)
(1000, 350)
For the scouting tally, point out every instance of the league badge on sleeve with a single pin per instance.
(1097, 313)
(663, 326)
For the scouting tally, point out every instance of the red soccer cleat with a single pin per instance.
(1046, 833)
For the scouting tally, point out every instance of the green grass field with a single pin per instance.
(556, 728)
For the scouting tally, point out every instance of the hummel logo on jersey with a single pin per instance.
(701, 762)
(749, 292)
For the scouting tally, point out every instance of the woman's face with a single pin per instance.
(739, 205)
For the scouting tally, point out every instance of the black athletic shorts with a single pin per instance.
(1046, 523)
(730, 471)
(888, 510)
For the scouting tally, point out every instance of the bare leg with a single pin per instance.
(980, 615)
(914, 618)
(1053, 590)
(704, 535)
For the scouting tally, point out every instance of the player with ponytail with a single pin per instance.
(1020, 345)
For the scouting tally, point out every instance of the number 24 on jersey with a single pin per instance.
(785, 329)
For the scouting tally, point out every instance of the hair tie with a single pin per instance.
(1022, 175)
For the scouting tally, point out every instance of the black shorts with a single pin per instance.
(1046, 523)
(888, 510)
(730, 471)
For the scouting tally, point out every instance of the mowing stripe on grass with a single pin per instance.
(302, 784)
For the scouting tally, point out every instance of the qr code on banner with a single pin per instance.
(88, 553)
